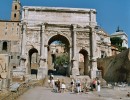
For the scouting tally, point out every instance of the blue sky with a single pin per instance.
(110, 13)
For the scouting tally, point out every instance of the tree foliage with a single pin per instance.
(61, 64)
(117, 41)
(62, 60)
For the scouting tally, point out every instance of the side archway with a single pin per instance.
(33, 61)
(83, 62)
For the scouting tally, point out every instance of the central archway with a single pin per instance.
(58, 55)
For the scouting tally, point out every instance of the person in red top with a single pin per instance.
(94, 84)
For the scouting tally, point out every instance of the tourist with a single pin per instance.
(72, 85)
(51, 76)
(78, 86)
(49, 83)
(53, 84)
(63, 86)
(86, 86)
(94, 84)
(56, 86)
(57, 83)
(98, 85)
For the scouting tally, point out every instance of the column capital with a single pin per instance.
(23, 23)
(46, 45)
(74, 26)
(70, 46)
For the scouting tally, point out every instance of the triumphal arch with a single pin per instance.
(43, 25)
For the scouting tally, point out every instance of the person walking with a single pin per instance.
(78, 86)
(63, 86)
(72, 85)
(58, 85)
(94, 84)
(98, 85)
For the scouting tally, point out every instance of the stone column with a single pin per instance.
(42, 71)
(45, 60)
(93, 51)
(23, 57)
(24, 27)
(69, 70)
(75, 69)
(42, 40)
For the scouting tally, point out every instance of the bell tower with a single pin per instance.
(16, 10)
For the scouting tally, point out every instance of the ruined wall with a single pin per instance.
(116, 68)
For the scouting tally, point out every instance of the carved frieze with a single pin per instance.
(82, 43)
(33, 37)
(50, 33)
(82, 34)
(82, 39)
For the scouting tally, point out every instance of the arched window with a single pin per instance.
(14, 15)
(103, 54)
(15, 7)
(4, 46)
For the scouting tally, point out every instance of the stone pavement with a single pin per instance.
(42, 93)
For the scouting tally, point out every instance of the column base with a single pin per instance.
(93, 74)
(75, 71)
(42, 72)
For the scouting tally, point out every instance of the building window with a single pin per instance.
(4, 46)
(15, 7)
(103, 54)
(18, 57)
(102, 39)
(14, 15)
(11, 57)
(57, 50)
(14, 67)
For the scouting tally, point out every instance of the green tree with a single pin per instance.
(61, 64)
(117, 41)
(62, 59)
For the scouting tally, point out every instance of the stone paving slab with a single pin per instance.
(42, 93)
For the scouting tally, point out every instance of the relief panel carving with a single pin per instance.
(33, 37)
(83, 39)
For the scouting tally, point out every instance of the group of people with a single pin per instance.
(76, 85)
(95, 85)
(57, 85)
(85, 86)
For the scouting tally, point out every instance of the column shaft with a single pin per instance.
(93, 58)
(75, 69)
(24, 38)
